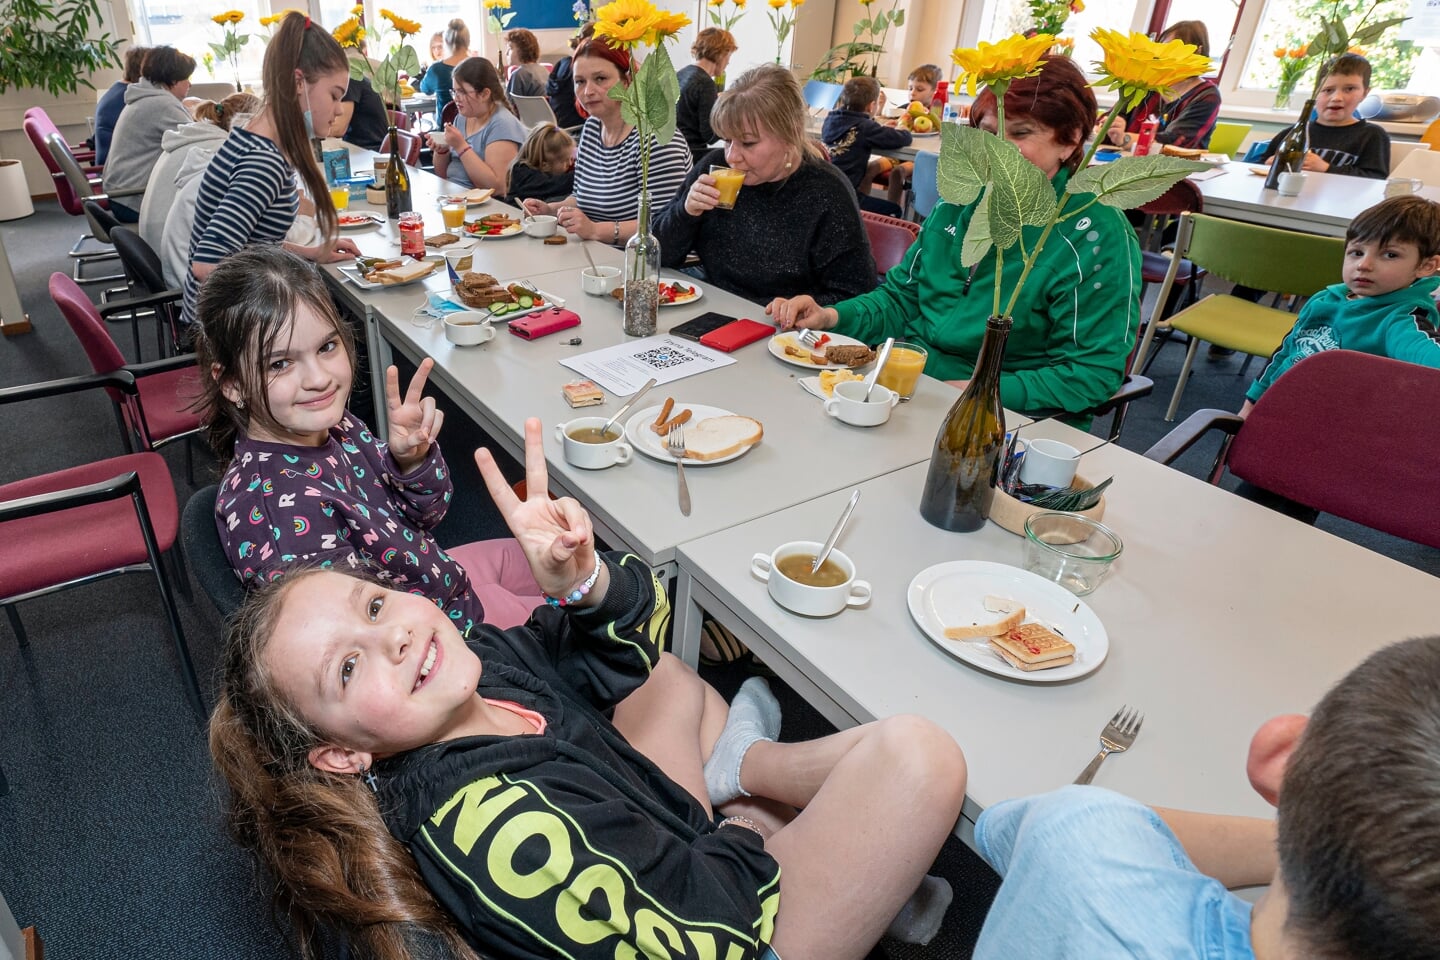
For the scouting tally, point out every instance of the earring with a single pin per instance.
(239, 404)
(368, 776)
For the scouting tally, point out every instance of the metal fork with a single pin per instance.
(1117, 737)
(675, 446)
(808, 338)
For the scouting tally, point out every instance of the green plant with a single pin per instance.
(1335, 38)
(720, 18)
(843, 61)
(229, 48)
(48, 46)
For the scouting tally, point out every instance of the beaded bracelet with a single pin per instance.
(745, 822)
(576, 595)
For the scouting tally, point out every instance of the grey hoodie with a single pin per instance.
(150, 112)
(176, 146)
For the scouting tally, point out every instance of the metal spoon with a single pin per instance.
(835, 534)
(628, 404)
(879, 365)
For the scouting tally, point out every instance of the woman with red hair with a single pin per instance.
(1077, 315)
(607, 161)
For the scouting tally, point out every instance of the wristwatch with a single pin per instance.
(615, 239)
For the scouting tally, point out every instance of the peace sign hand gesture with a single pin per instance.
(556, 535)
(414, 422)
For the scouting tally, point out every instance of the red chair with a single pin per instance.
(39, 128)
(1338, 432)
(154, 409)
(889, 237)
(410, 144)
(448, 115)
(90, 522)
(399, 119)
(81, 152)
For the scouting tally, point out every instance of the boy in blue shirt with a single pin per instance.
(1354, 876)
(1385, 306)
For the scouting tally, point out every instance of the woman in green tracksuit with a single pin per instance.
(1078, 313)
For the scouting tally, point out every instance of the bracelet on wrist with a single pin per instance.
(745, 822)
(578, 594)
(460, 155)
(615, 239)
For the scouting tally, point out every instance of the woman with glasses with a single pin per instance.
(477, 150)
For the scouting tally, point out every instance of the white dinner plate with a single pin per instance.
(473, 198)
(953, 594)
(650, 443)
(549, 301)
(681, 301)
(811, 385)
(932, 133)
(514, 230)
(777, 350)
(357, 221)
(352, 273)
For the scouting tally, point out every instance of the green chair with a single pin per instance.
(1295, 264)
(1226, 138)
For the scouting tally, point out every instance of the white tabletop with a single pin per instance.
(1326, 204)
(1220, 614)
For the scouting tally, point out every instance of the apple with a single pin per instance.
(923, 124)
(917, 108)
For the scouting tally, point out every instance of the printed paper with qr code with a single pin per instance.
(624, 368)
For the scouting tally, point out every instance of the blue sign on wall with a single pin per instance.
(544, 15)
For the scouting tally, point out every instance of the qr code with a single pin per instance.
(661, 358)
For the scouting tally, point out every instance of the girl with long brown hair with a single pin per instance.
(555, 784)
(477, 150)
(248, 195)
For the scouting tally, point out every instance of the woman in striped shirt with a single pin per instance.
(607, 161)
(248, 194)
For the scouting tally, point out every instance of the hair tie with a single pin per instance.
(219, 110)
(307, 23)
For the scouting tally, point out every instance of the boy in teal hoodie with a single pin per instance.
(1386, 305)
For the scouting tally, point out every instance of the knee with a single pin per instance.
(676, 677)
(925, 755)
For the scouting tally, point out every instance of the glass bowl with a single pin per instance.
(1070, 549)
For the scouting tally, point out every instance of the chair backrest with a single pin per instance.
(533, 111)
(102, 221)
(141, 262)
(449, 113)
(205, 554)
(925, 182)
(820, 94)
(1400, 149)
(1226, 138)
(1424, 164)
(399, 119)
(1338, 432)
(212, 90)
(1261, 257)
(889, 237)
(81, 186)
(36, 129)
(409, 146)
(1183, 197)
(89, 329)
(1432, 135)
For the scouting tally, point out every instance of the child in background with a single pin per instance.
(1090, 873)
(545, 166)
(1385, 306)
(922, 84)
(851, 132)
(307, 481)
(550, 790)
(1340, 143)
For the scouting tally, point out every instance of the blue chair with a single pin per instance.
(820, 95)
(925, 182)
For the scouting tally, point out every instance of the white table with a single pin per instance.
(1325, 206)
(1220, 614)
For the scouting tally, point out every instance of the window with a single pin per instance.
(190, 29)
(1292, 23)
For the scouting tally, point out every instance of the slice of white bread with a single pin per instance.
(408, 270)
(1014, 615)
(718, 437)
(1031, 646)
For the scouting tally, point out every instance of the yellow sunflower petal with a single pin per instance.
(1010, 59)
(1136, 65)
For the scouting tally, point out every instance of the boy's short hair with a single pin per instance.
(1409, 219)
(1359, 838)
(927, 73)
(858, 93)
(1347, 65)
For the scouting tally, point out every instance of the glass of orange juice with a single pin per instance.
(453, 214)
(340, 196)
(728, 182)
(902, 369)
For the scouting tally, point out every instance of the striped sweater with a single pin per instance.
(247, 197)
(607, 179)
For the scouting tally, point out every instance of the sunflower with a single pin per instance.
(1137, 66)
(866, 3)
(717, 3)
(666, 25)
(797, 3)
(350, 33)
(777, 4)
(497, 4)
(358, 10)
(739, 4)
(403, 26)
(1010, 59)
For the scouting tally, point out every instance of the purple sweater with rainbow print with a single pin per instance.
(342, 504)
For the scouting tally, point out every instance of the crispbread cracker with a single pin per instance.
(1029, 667)
(1031, 646)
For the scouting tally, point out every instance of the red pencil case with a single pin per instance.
(737, 334)
(544, 323)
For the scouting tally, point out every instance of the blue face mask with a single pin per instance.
(309, 119)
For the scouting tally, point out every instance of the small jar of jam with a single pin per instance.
(412, 235)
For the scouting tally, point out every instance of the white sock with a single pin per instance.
(919, 920)
(754, 715)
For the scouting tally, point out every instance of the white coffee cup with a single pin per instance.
(1048, 462)
(599, 283)
(802, 597)
(592, 456)
(460, 262)
(1290, 183)
(849, 405)
(1403, 186)
(540, 226)
(466, 328)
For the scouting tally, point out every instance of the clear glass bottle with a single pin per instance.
(1290, 155)
(642, 275)
(965, 466)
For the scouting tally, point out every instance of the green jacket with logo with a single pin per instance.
(1074, 323)
(570, 843)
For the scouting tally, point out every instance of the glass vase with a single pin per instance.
(1282, 98)
(642, 275)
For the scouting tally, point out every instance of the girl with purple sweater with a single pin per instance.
(308, 483)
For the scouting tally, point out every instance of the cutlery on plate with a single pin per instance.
(1117, 737)
(628, 404)
(879, 365)
(675, 446)
(835, 534)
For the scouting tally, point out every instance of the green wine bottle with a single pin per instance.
(966, 463)
(1290, 155)
(397, 181)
